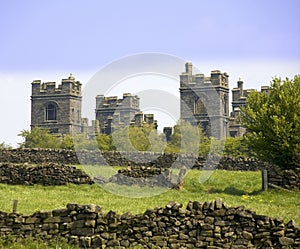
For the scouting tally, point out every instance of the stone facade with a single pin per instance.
(199, 225)
(207, 98)
(57, 108)
(113, 112)
(204, 101)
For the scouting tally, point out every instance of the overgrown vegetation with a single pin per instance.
(273, 122)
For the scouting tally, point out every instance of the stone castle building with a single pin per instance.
(59, 110)
(207, 98)
(113, 112)
(204, 101)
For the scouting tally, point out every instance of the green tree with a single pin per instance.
(38, 138)
(105, 142)
(67, 143)
(82, 142)
(187, 138)
(236, 147)
(42, 138)
(135, 138)
(273, 122)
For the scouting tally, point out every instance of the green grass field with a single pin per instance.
(234, 187)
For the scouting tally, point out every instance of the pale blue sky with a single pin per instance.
(252, 39)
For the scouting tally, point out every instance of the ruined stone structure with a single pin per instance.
(207, 98)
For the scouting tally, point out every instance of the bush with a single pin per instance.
(272, 120)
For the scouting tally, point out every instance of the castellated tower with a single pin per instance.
(57, 108)
(111, 111)
(205, 101)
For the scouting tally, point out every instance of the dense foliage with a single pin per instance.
(273, 122)
(42, 138)
(38, 138)
(134, 138)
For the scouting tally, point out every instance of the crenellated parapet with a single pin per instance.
(113, 102)
(67, 87)
(216, 78)
(207, 98)
(57, 108)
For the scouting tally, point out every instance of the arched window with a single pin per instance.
(199, 107)
(51, 112)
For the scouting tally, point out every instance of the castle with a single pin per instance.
(207, 98)
(59, 110)
(113, 112)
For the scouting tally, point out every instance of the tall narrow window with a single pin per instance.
(51, 112)
(73, 115)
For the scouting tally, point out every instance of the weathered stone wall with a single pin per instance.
(114, 158)
(199, 225)
(287, 179)
(36, 156)
(283, 178)
(48, 174)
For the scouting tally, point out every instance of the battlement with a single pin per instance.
(112, 102)
(217, 78)
(239, 94)
(68, 87)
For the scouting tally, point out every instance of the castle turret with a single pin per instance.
(57, 108)
(207, 98)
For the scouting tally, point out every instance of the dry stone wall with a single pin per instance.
(115, 158)
(199, 225)
(48, 174)
(289, 179)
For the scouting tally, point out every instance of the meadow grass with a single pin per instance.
(33, 243)
(234, 187)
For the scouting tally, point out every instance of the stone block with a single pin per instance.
(61, 212)
(285, 241)
(247, 235)
(113, 243)
(82, 231)
(52, 220)
(90, 223)
(32, 220)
